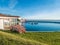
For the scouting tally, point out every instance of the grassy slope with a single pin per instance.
(50, 38)
(12, 39)
(30, 38)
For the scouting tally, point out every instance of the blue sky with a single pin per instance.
(31, 9)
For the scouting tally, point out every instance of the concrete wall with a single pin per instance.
(1, 24)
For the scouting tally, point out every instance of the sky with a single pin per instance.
(31, 9)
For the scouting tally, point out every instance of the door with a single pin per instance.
(1, 24)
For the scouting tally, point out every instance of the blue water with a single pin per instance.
(42, 27)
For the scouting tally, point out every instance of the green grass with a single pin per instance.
(29, 38)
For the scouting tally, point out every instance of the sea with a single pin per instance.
(42, 26)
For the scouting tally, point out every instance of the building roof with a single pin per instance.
(3, 15)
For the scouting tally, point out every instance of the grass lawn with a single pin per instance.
(29, 38)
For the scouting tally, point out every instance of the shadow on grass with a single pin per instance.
(8, 31)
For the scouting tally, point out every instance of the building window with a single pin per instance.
(14, 21)
(6, 24)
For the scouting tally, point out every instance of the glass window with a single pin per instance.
(6, 24)
(14, 21)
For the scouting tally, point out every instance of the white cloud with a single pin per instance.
(13, 3)
(51, 12)
(10, 11)
(54, 15)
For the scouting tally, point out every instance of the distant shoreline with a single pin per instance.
(42, 31)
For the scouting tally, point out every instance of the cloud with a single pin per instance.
(54, 15)
(12, 3)
(10, 11)
(50, 10)
(47, 12)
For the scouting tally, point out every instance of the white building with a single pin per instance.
(7, 20)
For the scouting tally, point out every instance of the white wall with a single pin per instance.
(1, 24)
